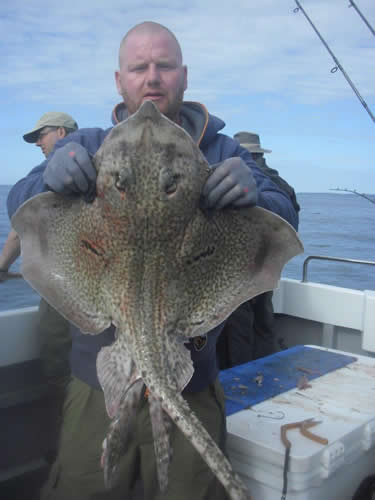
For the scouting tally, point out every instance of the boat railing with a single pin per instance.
(335, 259)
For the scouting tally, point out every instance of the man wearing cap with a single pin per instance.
(53, 328)
(51, 127)
(249, 332)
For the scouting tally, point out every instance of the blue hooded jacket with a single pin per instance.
(204, 129)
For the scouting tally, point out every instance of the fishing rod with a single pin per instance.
(338, 65)
(352, 4)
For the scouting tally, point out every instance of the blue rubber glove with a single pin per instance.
(231, 183)
(71, 172)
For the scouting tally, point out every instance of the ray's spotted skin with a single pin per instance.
(145, 257)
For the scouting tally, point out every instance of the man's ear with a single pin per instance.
(185, 77)
(61, 132)
(118, 82)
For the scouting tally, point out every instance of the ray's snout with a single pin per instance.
(148, 110)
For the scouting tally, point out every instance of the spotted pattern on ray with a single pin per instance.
(145, 257)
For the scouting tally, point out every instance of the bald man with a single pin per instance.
(150, 68)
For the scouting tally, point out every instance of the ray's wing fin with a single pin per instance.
(63, 257)
(228, 257)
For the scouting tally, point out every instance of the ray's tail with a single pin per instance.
(180, 412)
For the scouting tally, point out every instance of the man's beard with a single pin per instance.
(173, 111)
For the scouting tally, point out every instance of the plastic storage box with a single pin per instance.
(343, 400)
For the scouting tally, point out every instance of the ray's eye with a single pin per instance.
(123, 178)
(168, 181)
(171, 186)
(119, 183)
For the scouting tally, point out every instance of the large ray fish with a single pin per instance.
(145, 257)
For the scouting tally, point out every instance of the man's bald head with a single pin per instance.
(149, 27)
(151, 69)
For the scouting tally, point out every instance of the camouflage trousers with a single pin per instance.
(77, 475)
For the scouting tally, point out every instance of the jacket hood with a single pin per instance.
(194, 118)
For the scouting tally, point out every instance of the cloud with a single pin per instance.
(255, 63)
(70, 49)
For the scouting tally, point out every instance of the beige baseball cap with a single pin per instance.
(50, 119)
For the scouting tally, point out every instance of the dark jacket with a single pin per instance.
(279, 181)
(216, 147)
(249, 332)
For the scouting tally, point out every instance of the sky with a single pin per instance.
(256, 64)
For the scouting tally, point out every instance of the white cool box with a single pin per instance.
(343, 400)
